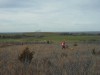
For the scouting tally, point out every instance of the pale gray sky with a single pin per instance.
(49, 15)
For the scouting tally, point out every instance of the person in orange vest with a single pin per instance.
(63, 45)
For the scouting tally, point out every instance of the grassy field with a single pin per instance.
(31, 37)
(51, 59)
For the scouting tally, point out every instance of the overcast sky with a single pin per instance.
(49, 15)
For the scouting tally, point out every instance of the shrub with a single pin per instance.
(93, 51)
(26, 56)
(75, 44)
(48, 42)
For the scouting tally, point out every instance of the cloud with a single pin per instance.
(15, 3)
(49, 15)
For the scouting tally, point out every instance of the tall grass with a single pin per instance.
(48, 60)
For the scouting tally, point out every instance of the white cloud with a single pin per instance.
(49, 15)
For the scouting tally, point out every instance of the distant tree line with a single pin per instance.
(19, 36)
(8, 36)
(77, 33)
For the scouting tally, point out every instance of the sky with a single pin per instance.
(49, 15)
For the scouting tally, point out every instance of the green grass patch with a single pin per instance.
(51, 36)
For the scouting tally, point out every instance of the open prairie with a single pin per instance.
(49, 37)
(50, 59)
(41, 54)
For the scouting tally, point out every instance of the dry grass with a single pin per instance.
(50, 59)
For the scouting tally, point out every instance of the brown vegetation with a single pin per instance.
(49, 59)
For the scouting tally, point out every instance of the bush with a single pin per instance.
(75, 44)
(93, 51)
(26, 56)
